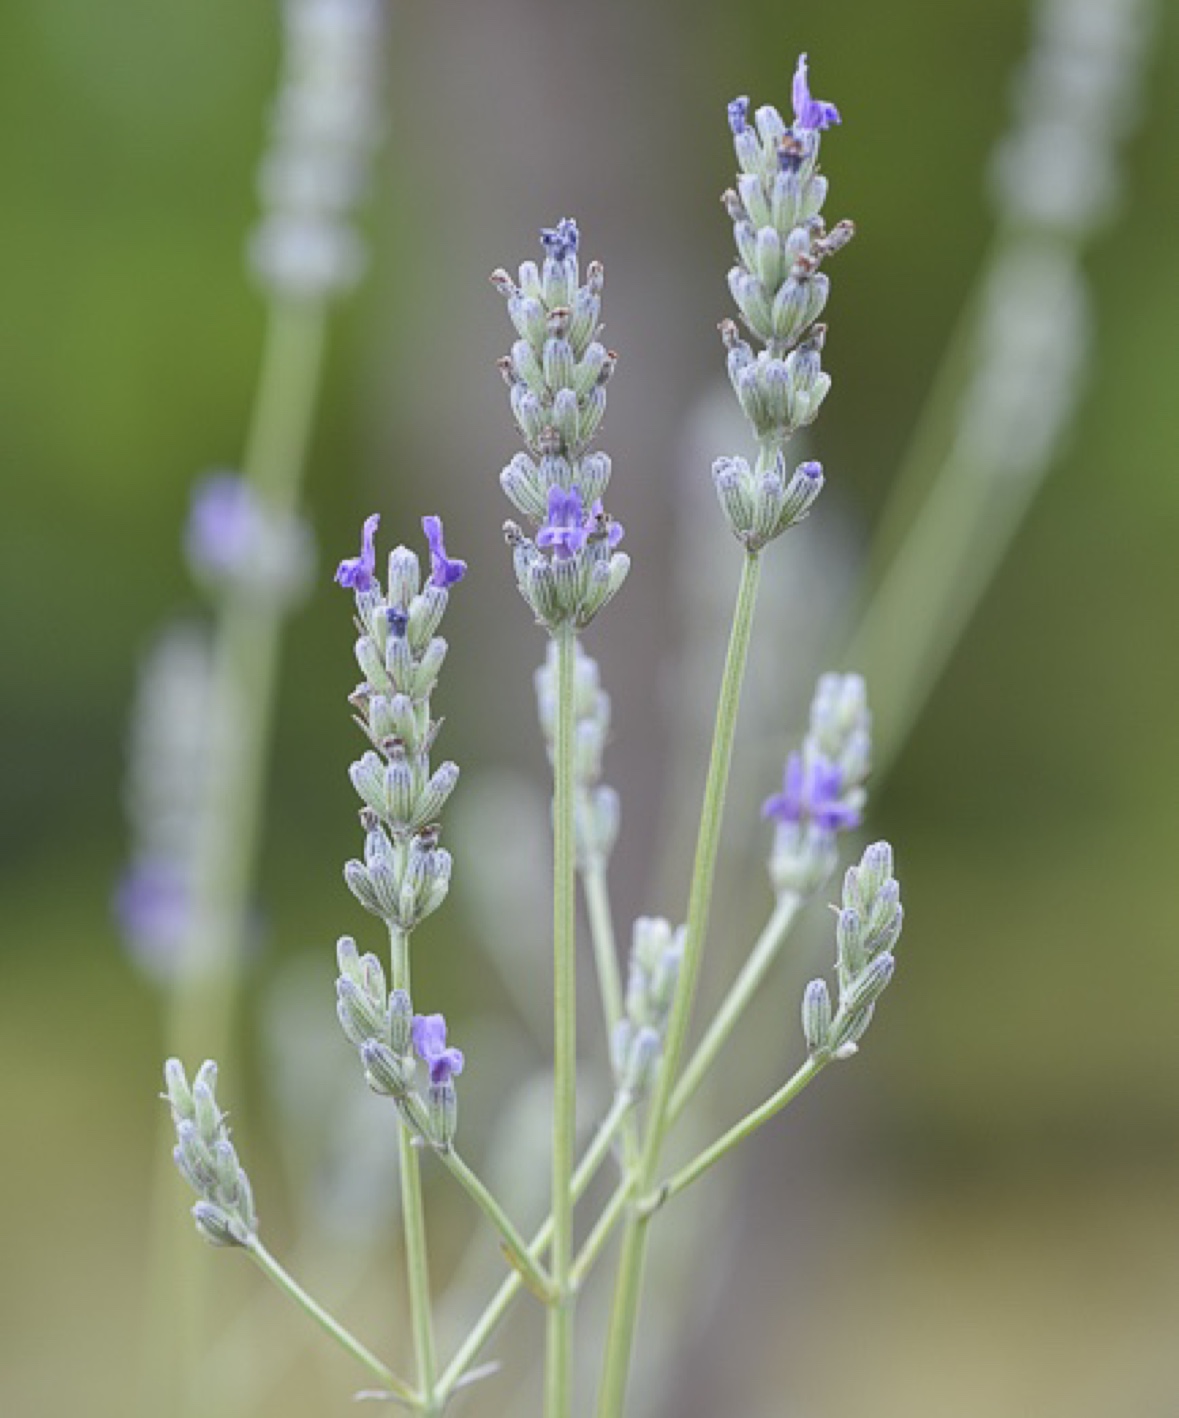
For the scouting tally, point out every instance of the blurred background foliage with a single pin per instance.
(980, 1216)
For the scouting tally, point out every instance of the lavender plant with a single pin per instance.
(568, 568)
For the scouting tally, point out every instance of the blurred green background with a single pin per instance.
(980, 1216)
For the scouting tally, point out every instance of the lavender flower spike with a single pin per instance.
(445, 571)
(429, 1039)
(810, 113)
(357, 572)
(565, 529)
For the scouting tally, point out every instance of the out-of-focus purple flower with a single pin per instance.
(561, 240)
(223, 525)
(429, 1039)
(810, 113)
(739, 114)
(357, 572)
(565, 531)
(444, 571)
(153, 907)
(812, 791)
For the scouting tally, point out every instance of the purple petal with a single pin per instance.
(357, 572)
(443, 570)
(810, 113)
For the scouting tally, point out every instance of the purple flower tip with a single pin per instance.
(813, 792)
(810, 113)
(445, 571)
(565, 530)
(357, 572)
(560, 241)
(810, 470)
(429, 1039)
(739, 114)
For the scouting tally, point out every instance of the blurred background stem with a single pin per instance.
(199, 1017)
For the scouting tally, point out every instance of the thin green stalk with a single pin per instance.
(738, 1133)
(515, 1244)
(559, 1328)
(271, 1268)
(624, 1313)
(413, 1215)
(501, 1302)
(201, 1004)
(746, 985)
(602, 1231)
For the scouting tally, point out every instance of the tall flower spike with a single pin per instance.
(206, 1159)
(557, 371)
(780, 292)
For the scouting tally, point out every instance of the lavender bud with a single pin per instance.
(443, 1111)
(816, 1016)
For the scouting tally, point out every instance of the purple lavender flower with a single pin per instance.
(561, 240)
(565, 531)
(810, 113)
(429, 1039)
(812, 791)
(357, 571)
(444, 571)
(738, 114)
(223, 525)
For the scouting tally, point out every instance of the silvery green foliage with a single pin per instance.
(326, 122)
(596, 808)
(556, 372)
(780, 291)
(404, 875)
(824, 792)
(867, 932)
(657, 951)
(206, 1158)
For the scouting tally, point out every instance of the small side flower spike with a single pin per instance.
(810, 113)
(429, 1039)
(445, 571)
(357, 572)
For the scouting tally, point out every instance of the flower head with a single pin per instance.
(561, 240)
(738, 114)
(444, 571)
(810, 113)
(429, 1039)
(565, 531)
(357, 571)
(812, 790)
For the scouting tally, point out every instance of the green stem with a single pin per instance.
(515, 1244)
(602, 1231)
(271, 1268)
(746, 985)
(624, 1313)
(738, 1133)
(559, 1328)
(501, 1302)
(413, 1215)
